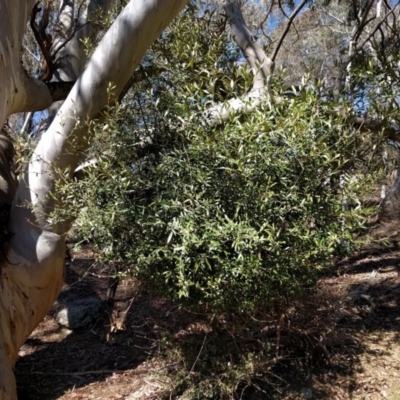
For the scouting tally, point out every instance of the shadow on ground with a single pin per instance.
(319, 346)
(52, 363)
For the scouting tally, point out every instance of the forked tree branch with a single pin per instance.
(287, 28)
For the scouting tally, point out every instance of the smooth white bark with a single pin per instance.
(32, 279)
(261, 65)
(112, 64)
(69, 48)
(71, 57)
(18, 91)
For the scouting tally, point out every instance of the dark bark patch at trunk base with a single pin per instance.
(5, 234)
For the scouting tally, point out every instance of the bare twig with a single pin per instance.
(43, 39)
(377, 26)
(198, 355)
(287, 27)
(100, 371)
(26, 123)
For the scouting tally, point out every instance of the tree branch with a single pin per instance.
(107, 72)
(43, 39)
(287, 27)
(59, 90)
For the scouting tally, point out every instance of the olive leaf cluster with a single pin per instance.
(233, 217)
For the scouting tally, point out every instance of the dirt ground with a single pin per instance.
(343, 341)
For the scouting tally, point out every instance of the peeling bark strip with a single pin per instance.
(32, 279)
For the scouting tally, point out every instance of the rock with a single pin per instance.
(77, 314)
(306, 393)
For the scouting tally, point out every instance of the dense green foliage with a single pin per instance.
(233, 217)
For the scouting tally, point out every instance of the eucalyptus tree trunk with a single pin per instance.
(68, 49)
(262, 65)
(32, 277)
(390, 206)
(18, 91)
(70, 35)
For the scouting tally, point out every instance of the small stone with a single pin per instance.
(80, 313)
(306, 393)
